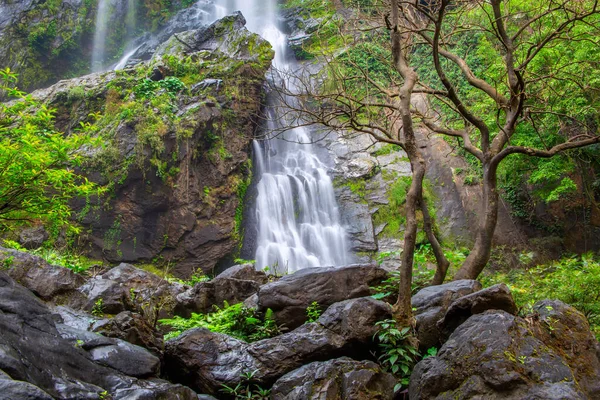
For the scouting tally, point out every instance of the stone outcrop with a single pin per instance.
(233, 286)
(38, 350)
(34, 237)
(205, 360)
(339, 379)
(177, 173)
(551, 354)
(289, 297)
(497, 297)
(49, 282)
(127, 288)
(134, 329)
(431, 304)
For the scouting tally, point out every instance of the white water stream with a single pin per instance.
(298, 221)
(99, 49)
(296, 210)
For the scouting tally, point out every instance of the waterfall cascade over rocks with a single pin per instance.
(297, 217)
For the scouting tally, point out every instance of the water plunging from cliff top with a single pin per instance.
(99, 49)
(103, 17)
(298, 221)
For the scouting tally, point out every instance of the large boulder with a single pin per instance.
(340, 379)
(431, 304)
(233, 286)
(495, 355)
(206, 360)
(567, 331)
(37, 350)
(34, 237)
(497, 297)
(127, 288)
(134, 329)
(18, 390)
(291, 295)
(118, 354)
(49, 282)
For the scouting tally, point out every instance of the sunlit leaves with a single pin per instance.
(38, 175)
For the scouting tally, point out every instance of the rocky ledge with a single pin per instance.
(56, 346)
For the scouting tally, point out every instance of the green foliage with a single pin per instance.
(147, 88)
(38, 176)
(98, 308)
(240, 261)
(246, 390)
(386, 149)
(197, 277)
(237, 321)
(397, 355)
(313, 312)
(63, 258)
(422, 274)
(574, 280)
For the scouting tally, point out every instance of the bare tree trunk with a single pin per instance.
(402, 310)
(440, 258)
(400, 41)
(480, 255)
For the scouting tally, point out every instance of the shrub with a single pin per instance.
(237, 321)
(574, 280)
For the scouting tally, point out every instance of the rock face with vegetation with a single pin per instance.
(52, 40)
(177, 131)
(549, 354)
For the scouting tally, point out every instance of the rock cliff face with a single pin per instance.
(178, 129)
(44, 41)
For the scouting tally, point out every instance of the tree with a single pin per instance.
(495, 78)
(496, 102)
(362, 90)
(38, 165)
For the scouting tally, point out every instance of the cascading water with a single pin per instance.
(103, 17)
(298, 221)
(99, 49)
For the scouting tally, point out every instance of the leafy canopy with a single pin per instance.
(38, 164)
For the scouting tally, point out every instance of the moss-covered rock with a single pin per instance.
(176, 133)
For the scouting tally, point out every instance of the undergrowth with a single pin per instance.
(238, 321)
(65, 258)
(574, 280)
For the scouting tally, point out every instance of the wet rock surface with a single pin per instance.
(340, 379)
(37, 350)
(127, 288)
(49, 282)
(495, 355)
(205, 360)
(289, 297)
(497, 297)
(133, 328)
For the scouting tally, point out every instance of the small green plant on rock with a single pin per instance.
(313, 312)
(397, 354)
(246, 390)
(98, 309)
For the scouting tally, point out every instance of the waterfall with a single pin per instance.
(99, 49)
(298, 221)
(103, 17)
